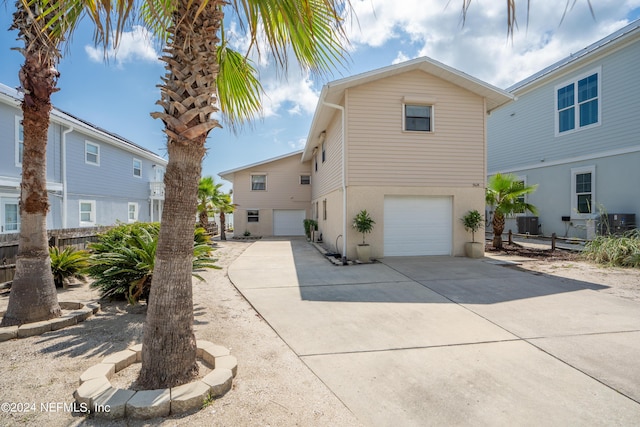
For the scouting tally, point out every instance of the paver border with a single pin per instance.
(79, 312)
(99, 397)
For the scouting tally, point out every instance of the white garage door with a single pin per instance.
(288, 222)
(417, 225)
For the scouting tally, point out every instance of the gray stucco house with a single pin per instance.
(575, 131)
(94, 177)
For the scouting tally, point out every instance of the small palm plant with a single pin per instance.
(363, 223)
(68, 264)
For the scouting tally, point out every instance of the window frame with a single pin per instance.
(136, 211)
(308, 179)
(92, 213)
(576, 103)
(265, 182)
(324, 209)
(324, 152)
(253, 215)
(19, 142)
(86, 160)
(418, 103)
(574, 195)
(13, 201)
(139, 169)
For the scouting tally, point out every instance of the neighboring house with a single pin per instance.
(405, 142)
(574, 131)
(94, 177)
(271, 198)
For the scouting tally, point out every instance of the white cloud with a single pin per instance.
(297, 144)
(481, 47)
(135, 45)
(295, 94)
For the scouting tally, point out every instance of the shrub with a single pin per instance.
(310, 225)
(363, 223)
(621, 251)
(123, 259)
(472, 222)
(68, 264)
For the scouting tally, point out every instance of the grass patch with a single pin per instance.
(618, 251)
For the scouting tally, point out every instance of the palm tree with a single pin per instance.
(42, 27)
(224, 206)
(200, 71)
(505, 193)
(208, 191)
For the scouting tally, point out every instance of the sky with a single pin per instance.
(120, 93)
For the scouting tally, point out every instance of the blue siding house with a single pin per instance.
(94, 177)
(575, 131)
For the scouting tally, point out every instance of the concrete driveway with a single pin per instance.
(450, 341)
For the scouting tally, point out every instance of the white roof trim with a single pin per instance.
(226, 174)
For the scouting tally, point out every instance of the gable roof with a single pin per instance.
(333, 92)
(228, 174)
(603, 46)
(13, 97)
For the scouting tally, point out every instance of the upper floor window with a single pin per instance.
(418, 118)
(137, 168)
(305, 179)
(19, 141)
(258, 182)
(578, 103)
(91, 153)
(583, 191)
(324, 153)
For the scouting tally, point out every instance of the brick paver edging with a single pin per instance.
(98, 396)
(78, 312)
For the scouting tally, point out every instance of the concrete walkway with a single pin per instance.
(450, 341)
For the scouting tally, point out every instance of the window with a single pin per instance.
(137, 168)
(417, 118)
(87, 212)
(91, 153)
(19, 141)
(522, 182)
(133, 212)
(316, 212)
(324, 155)
(305, 179)
(577, 103)
(315, 161)
(258, 182)
(582, 191)
(324, 209)
(253, 215)
(10, 216)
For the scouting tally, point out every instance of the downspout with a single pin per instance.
(344, 184)
(64, 175)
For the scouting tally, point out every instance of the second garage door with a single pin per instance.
(417, 225)
(288, 222)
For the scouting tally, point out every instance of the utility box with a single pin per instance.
(616, 223)
(528, 225)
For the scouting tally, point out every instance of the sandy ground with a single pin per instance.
(272, 388)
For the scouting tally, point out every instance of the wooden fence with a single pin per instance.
(79, 238)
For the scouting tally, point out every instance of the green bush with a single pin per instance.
(122, 260)
(621, 251)
(309, 226)
(68, 264)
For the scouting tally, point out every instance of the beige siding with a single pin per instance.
(380, 153)
(284, 191)
(331, 226)
(328, 178)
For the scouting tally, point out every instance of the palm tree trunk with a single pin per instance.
(33, 294)
(223, 220)
(498, 229)
(204, 219)
(188, 95)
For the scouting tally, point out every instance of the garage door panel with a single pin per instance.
(417, 225)
(288, 222)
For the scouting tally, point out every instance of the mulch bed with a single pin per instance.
(542, 254)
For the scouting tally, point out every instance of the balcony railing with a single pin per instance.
(157, 190)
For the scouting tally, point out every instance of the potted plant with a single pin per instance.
(473, 221)
(364, 224)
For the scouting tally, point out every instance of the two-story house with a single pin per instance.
(574, 131)
(94, 177)
(405, 142)
(272, 197)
